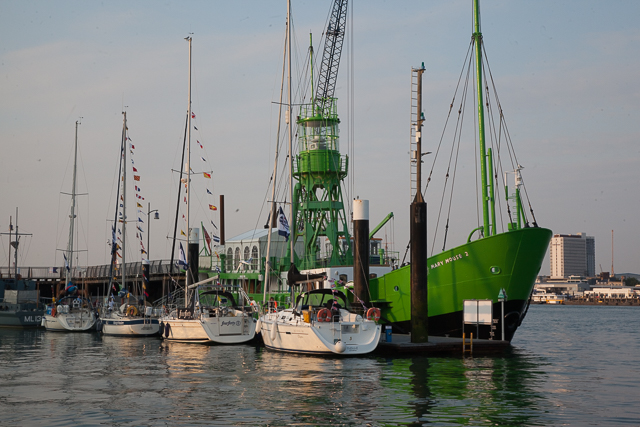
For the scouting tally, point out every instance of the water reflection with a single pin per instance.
(145, 381)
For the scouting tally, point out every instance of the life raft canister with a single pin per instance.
(373, 314)
(324, 315)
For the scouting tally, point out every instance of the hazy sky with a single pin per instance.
(566, 73)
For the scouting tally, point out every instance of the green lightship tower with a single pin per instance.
(319, 168)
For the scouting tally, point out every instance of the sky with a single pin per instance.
(566, 73)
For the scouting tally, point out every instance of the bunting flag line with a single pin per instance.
(214, 226)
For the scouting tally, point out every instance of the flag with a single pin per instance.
(283, 225)
(185, 199)
(195, 128)
(182, 233)
(216, 239)
(133, 147)
(207, 238)
(214, 226)
(213, 208)
(139, 205)
(143, 251)
(183, 259)
(199, 144)
(217, 269)
(203, 159)
(140, 220)
(53, 269)
(206, 175)
(66, 263)
(136, 177)
(209, 192)
(134, 169)
(193, 115)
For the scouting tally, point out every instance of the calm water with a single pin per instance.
(569, 366)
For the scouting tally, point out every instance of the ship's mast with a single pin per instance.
(290, 124)
(72, 216)
(486, 178)
(124, 197)
(188, 172)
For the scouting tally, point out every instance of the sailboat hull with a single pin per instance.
(476, 270)
(70, 322)
(130, 327)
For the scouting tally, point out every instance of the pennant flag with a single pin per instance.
(207, 238)
(134, 169)
(283, 225)
(66, 263)
(139, 229)
(193, 115)
(195, 128)
(117, 253)
(139, 205)
(137, 188)
(121, 197)
(133, 147)
(206, 175)
(140, 220)
(184, 217)
(199, 144)
(136, 177)
(183, 259)
(214, 226)
(209, 192)
(143, 251)
(185, 199)
(203, 159)
(213, 208)
(119, 231)
(182, 233)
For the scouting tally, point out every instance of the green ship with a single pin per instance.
(496, 266)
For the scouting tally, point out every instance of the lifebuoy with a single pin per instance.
(373, 314)
(132, 310)
(324, 315)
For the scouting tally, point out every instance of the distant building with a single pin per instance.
(572, 255)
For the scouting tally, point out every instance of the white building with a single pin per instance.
(572, 255)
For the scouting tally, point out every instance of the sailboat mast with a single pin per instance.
(124, 197)
(15, 251)
(486, 181)
(188, 171)
(289, 115)
(72, 216)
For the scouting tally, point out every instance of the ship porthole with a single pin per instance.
(395, 288)
(495, 269)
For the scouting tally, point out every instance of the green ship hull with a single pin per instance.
(476, 270)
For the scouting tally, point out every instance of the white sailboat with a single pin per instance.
(73, 310)
(212, 314)
(320, 322)
(133, 317)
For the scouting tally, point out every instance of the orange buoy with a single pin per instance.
(324, 315)
(373, 314)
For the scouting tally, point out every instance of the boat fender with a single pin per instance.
(340, 347)
(258, 326)
(167, 330)
(99, 325)
(373, 314)
(324, 315)
(273, 332)
(132, 311)
(53, 311)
